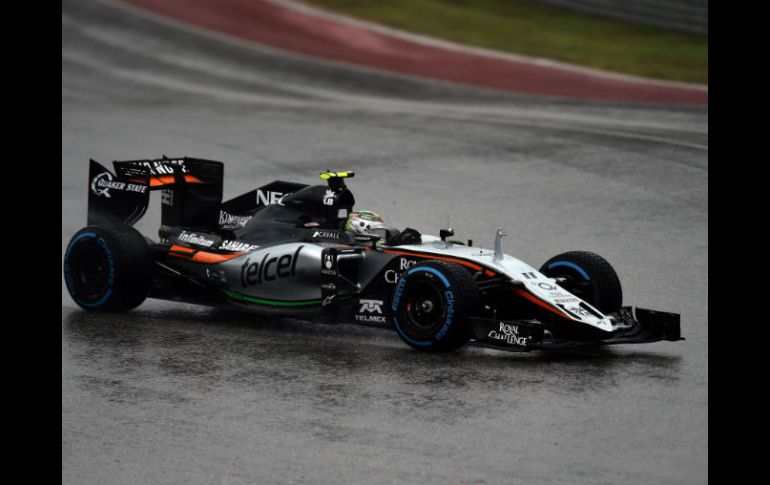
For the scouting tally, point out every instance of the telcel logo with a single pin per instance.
(269, 269)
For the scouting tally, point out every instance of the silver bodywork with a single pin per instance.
(291, 272)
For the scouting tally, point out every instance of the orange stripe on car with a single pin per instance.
(212, 258)
(200, 256)
(537, 301)
(158, 180)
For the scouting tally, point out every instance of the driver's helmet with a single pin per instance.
(363, 222)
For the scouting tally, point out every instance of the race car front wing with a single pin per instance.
(633, 326)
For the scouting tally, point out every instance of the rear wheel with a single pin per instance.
(108, 268)
(431, 306)
(588, 276)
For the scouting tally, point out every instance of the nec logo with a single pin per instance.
(371, 306)
(269, 197)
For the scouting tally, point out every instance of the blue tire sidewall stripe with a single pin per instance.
(68, 273)
(572, 265)
(430, 270)
(397, 299)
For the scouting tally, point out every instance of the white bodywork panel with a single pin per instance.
(536, 283)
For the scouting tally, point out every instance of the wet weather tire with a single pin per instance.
(588, 276)
(431, 305)
(108, 269)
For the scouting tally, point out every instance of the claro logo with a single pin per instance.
(269, 269)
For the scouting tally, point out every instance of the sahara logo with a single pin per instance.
(102, 183)
(370, 312)
(269, 269)
(237, 246)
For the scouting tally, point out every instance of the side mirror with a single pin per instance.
(445, 233)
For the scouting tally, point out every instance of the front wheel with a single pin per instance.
(108, 269)
(431, 306)
(587, 276)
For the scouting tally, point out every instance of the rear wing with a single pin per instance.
(191, 197)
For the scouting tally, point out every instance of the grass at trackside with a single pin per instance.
(529, 28)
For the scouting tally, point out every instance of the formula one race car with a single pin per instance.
(290, 249)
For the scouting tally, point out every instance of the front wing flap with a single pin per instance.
(633, 326)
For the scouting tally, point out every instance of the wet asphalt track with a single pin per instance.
(176, 393)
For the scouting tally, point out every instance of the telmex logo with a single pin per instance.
(371, 306)
(370, 311)
(269, 197)
(269, 269)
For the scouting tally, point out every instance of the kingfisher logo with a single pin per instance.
(227, 219)
(370, 312)
(269, 269)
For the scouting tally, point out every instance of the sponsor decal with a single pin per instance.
(329, 286)
(167, 197)
(530, 276)
(398, 294)
(269, 269)
(546, 286)
(217, 275)
(268, 197)
(227, 219)
(312, 224)
(164, 167)
(328, 267)
(328, 300)
(579, 311)
(197, 239)
(392, 276)
(565, 300)
(237, 246)
(103, 183)
(326, 234)
(509, 333)
(329, 197)
(450, 311)
(370, 312)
